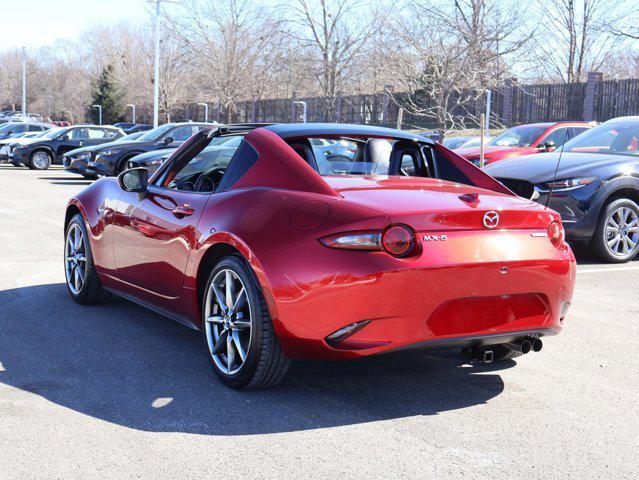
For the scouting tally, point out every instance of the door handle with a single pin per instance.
(80, 143)
(183, 210)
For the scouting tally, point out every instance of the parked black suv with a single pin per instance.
(76, 160)
(39, 153)
(113, 159)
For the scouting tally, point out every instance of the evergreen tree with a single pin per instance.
(107, 93)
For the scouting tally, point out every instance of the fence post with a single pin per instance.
(253, 110)
(293, 107)
(508, 95)
(589, 98)
(338, 108)
(388, 90)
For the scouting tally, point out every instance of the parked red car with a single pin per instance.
(272, 261)
(526, 140)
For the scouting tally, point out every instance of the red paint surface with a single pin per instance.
(274, 217)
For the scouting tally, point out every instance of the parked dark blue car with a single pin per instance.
(595, 189)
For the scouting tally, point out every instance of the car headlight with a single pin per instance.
(112, 151)
(568, 184)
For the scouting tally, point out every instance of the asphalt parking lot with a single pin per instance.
(116, 391)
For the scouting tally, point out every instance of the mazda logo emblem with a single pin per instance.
(491, 219)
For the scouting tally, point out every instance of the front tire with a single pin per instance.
(81, 277)
(616, 238)
(238, 333)
(40, 160)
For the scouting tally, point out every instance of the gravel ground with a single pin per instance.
(117, 391)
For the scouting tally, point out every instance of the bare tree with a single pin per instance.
(334, 34)
(571, 40)
(445, 55)
(231, 42)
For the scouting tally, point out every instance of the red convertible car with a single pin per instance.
(398, 244)
(525, 140)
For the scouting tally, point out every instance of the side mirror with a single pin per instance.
(167, 140)
(64, 138)
(549, 146)
(134, 180)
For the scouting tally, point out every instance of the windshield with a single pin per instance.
(523, 136)
(54, 132)
(129, 138)
(8, 126)
(156, 133)
(620, 138)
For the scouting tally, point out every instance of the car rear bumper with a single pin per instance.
(443, 298)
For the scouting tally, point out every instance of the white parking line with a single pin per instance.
(609, 269)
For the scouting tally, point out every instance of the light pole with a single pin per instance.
(156, 67)
(133, 112)
(99, 107)
(303, 104)
(206, 111)
(24, 83)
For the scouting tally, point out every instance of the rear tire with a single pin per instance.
(238, 334)
(40, 160)
(81, 277)
(617, 229)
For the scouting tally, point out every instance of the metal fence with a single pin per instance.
(511, 104)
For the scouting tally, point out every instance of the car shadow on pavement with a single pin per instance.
(124, 364)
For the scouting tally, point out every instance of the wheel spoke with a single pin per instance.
(238, 345)
(219, 297)
(240, 300)
(230, 354)
(230, 290)
(76, 278)
(215, 319)
(221, 342)
(242, 324)
(76, 239)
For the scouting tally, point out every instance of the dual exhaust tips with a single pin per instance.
(525, 345)
(521, 346)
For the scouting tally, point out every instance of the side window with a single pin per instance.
(78, 134)
(181, 134)
(409, 166)
(558, 136)
(19, 129)
(35, 128)
(96, 134)
(203, 171)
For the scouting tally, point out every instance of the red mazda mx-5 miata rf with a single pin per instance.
(323, 241)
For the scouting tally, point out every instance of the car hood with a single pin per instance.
(28, 141)
(153, 154)
(431, 204)
(95, 148)
(540, 168)
(125, 145)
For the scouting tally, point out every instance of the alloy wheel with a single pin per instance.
(622, 231)
(40, 160)
(228, 323)
(75, 260)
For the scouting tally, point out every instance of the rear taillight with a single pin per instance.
(398, 240)
(556, 234)
(354, 240)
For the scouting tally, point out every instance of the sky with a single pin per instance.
(36, 23)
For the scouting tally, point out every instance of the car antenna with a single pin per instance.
(554, 177)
